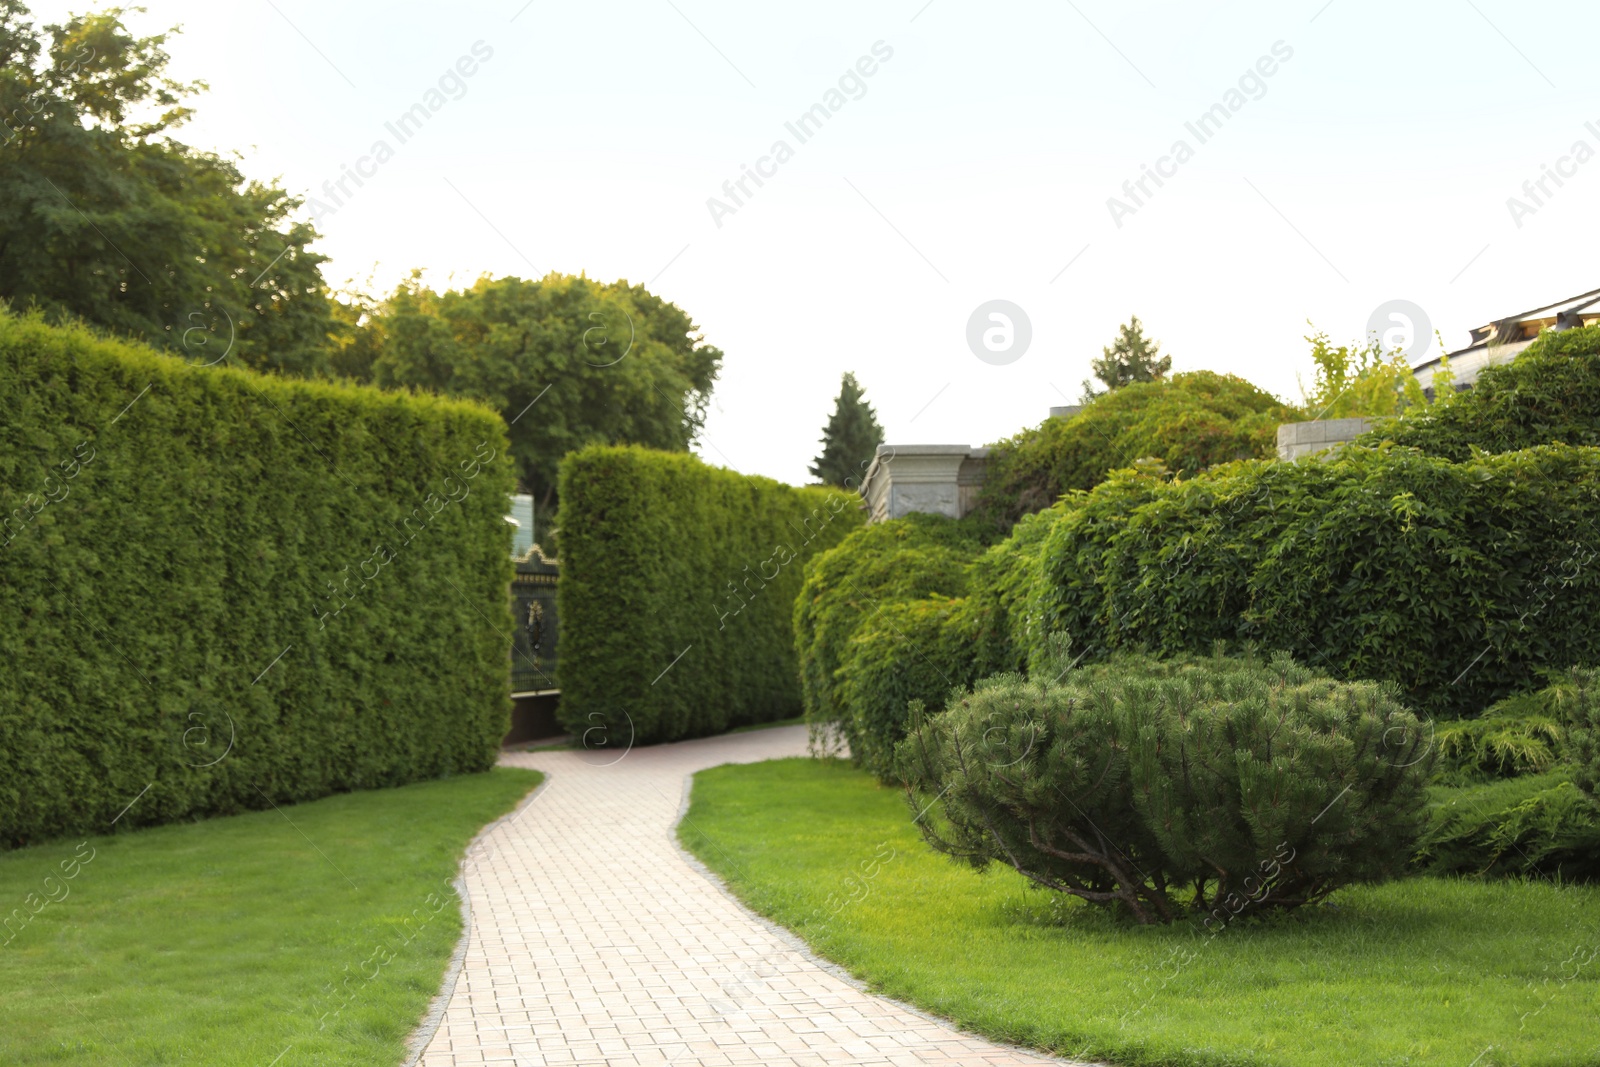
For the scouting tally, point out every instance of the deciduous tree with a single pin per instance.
(568, 361)
(104, 216)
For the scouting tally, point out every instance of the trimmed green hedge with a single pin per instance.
(677, 592)
(1550, 393)
(908, 650)
(236, 589)
(1459, 582)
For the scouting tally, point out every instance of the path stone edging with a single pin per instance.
(420, 1037)
(797, 945)
(593, 938)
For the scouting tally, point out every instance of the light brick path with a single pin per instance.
(594, 941)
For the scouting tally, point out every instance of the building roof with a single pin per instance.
(1512, 334)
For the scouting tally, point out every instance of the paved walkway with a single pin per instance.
(594, 941)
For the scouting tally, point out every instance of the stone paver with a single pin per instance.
(595, 941)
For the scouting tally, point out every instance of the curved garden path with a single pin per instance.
(594, 940)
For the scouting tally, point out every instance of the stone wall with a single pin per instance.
(1296, 439)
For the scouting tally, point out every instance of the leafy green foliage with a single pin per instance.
(1549, 393)
(1577, 695)
(1459, 582)
(905, 652)
(1352, 381)
(677, 592)
(882, 621)
(172, 532)
(1132, 357)
(107, 218)
(850, 439)
(1212, 784)
(1516, 792)
(1003, 590)
(901, 560)
(1189, 421)
(568, 362)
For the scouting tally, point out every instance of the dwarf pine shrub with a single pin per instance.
(1196, 784)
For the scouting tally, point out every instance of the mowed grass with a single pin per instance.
(319, 933)
(1425, 971)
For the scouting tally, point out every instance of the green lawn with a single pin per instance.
(323, 929)
(1428, 971)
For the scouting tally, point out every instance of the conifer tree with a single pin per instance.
(850, 439)
(1133, 357)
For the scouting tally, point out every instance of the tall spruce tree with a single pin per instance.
(1133, 357)
(850, 439)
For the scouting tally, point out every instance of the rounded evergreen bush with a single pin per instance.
(873, 568)
(1189, 421)
(915, 650)
(1194, 785)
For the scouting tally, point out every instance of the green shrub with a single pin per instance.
(1002, 585)
(915, 650)
(886, 563)
(1550, 393)
(1210, 784)
(1539, 824)
(1577, 697)
(1189, 421)
(1459, 582)
(186, 605)
(678, 583)
(1516, 793)
(1351, 381)
(1519, 735)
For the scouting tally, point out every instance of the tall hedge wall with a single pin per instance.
(678, 581)
(220, 590)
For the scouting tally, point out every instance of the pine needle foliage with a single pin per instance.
(1210, 785)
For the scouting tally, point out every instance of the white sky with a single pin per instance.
(978, 164)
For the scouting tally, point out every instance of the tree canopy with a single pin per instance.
(567, 361)
(850, 439)
(1132, 357)
(107, 218)
(104, 216)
